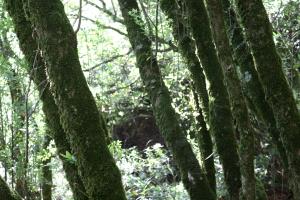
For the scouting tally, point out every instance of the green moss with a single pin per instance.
(220, 114)
(258, 32)
(260, 191)
(193, 178)
(187, 49)
(28, 46)
(47, 173)
(76, 108)
(237, 100)
(250, 82)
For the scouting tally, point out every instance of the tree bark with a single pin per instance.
(187, 49)
(205, 146)
(36, 68)
(258, 32)
(193, 178)
(78, 112)
(47, 182)
(221, 123)
(6, 193)
(250, 82)
(237, 100)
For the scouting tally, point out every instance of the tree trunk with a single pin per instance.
(258, 32)
(78, 112)
(46, 173)
(18, 139)
(205, 146)
(238, 103)
(250, 82)
(187, 49)
(193, 178)
(221, 123)
(28, 46)
(6, 193)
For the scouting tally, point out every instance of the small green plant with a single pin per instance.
(149, 174)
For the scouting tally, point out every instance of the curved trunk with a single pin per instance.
(221, 123)
(238, 103)
(258, 32)
(193, 178)
(250, 82)
(187, 49)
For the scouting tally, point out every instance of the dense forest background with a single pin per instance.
(149, 99)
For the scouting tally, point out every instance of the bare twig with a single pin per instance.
(106, 11)
(79, 17)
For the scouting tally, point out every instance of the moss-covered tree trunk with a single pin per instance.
(47, 182)
(187, 49)
(6, 193)
(220, 116)
(205, 145)
(193, 178)
(258, 32)
(78, 112)
(238, 103)
(28, 45)
(250, 82)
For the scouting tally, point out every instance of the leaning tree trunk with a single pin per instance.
(36, 68)
(78, 112)
(251, 84)
(238, 103)
(193, 178)
(258, 31)
(221, 123)
(6, 193)
(187, 49)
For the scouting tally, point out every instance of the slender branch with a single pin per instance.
(106, 11)
(111, 91)
(104, 26)
(108, 61)
(79, 17)
(153, 37)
